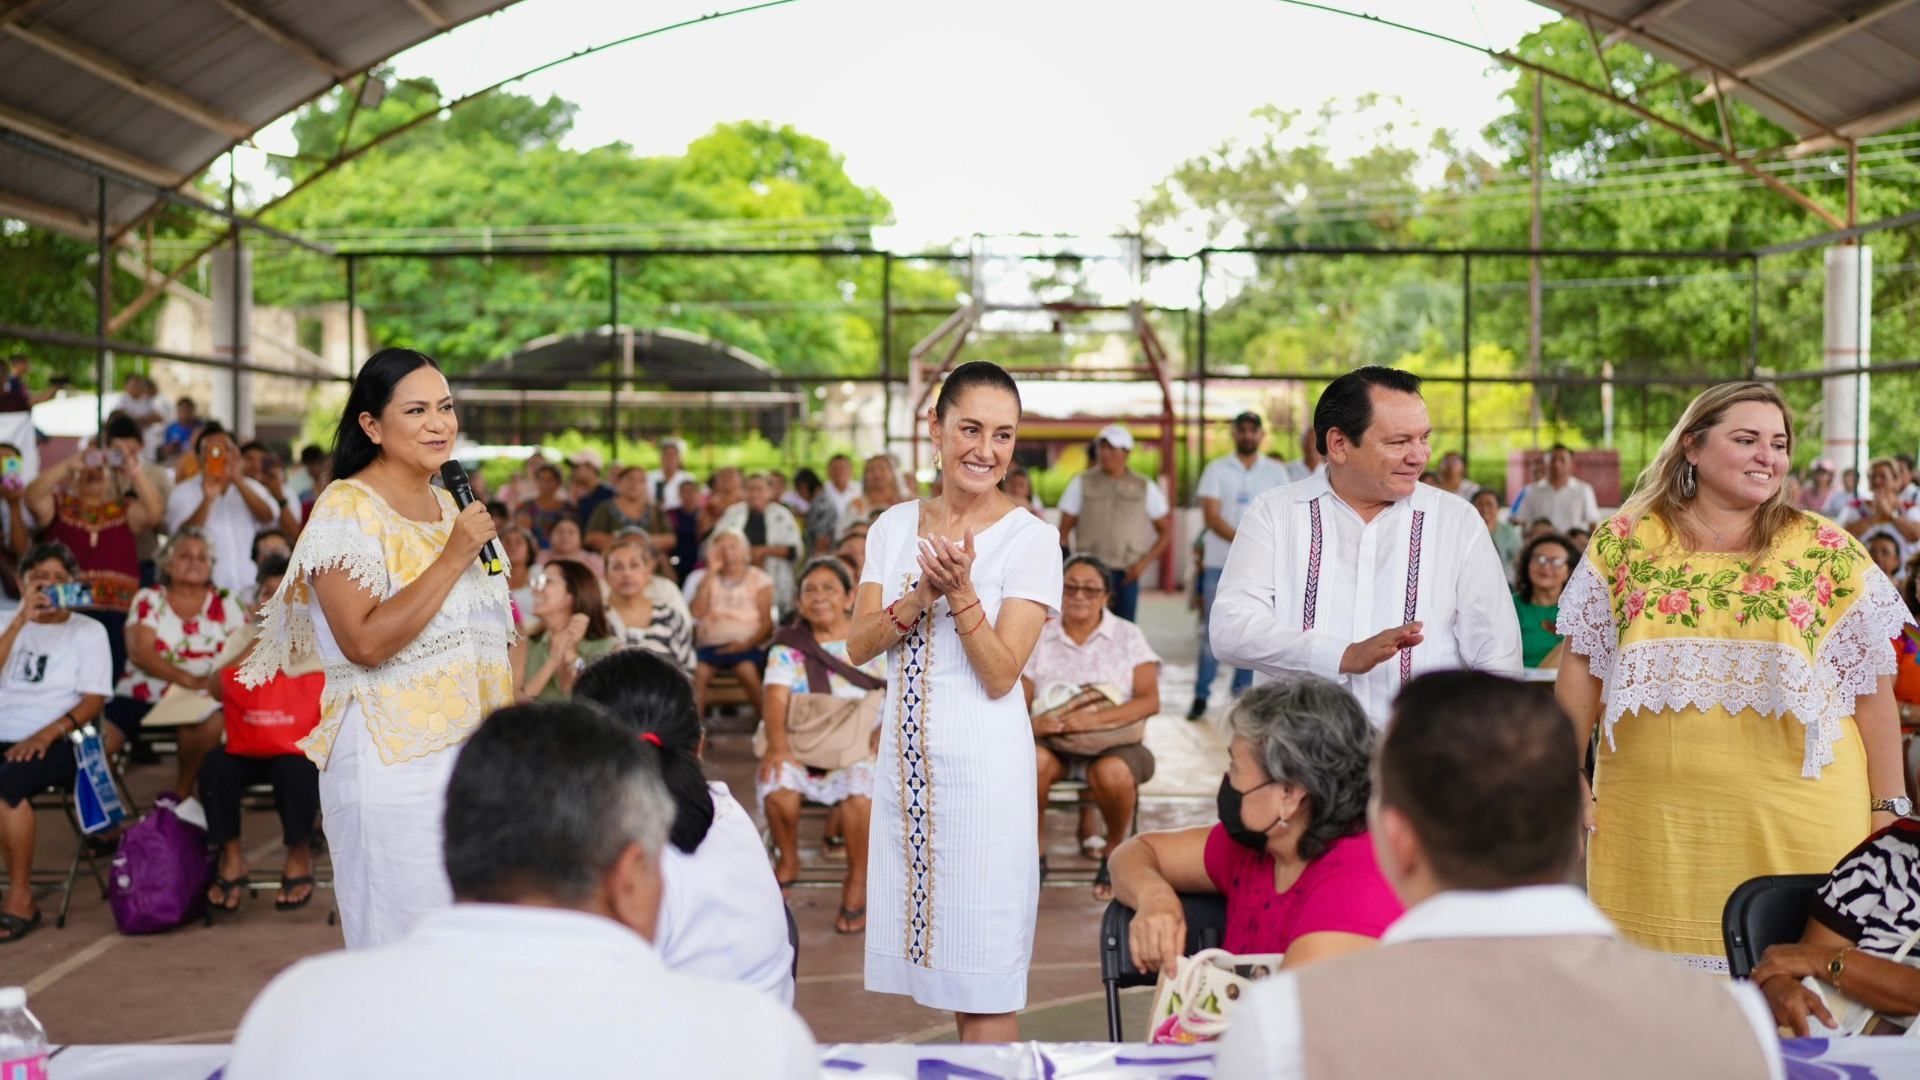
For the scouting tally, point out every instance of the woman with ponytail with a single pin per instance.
(722, 914)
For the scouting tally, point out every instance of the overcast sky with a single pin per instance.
(991, 116)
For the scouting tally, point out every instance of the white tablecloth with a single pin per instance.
(1807, 1059)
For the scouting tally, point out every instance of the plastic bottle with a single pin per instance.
(23, 1042)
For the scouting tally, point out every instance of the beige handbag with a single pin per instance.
(827, 732)
(1067, 696)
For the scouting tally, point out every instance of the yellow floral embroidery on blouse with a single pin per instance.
(442, 684)
(1803, 629)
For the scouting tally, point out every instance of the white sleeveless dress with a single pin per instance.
(953, 869)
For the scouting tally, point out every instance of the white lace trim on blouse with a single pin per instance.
(1772, 678)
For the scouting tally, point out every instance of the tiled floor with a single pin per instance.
(89, 984)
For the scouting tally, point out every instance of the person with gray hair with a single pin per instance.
(1290, 852)
(556, 819)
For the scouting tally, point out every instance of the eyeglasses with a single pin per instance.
(1549, 560)
(1084, 590)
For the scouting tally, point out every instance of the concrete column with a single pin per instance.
(1848, 343)
(232, 314)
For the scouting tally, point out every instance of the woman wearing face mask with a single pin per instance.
(1290, 853)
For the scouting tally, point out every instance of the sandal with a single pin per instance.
(1093, 847)
(848, 916)
(281, 903)
(231, 889)
(1103, 880)
(17, 927)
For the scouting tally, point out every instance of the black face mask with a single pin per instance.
(1229, 802)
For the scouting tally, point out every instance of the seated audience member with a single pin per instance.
(556, 825)
(262, 466)
(1290, 853)
(816, 521)
(773, 536)
(100, 510)
(852, 548)
(317, 464)
(1506, 538)
(1884, 550)
(808, 671)
(228, 507)
(726, 490)
(1868, 908)
(55, 676)
(732, 610)
(683, 523)
(272, 543)
(547, 505)
(1539, 577)
(638, 617)
(586, 488)
(1092, 672)
(174, 636)
(1498, 969)
(1540, 527)
(1906, 650)
(1579, 537)
(566, 541)
(630, 509)
(880, 488)
(523, 558)
(573, 632)
(262, 724)
(795, 501)
(722, 915)
(1018, 486)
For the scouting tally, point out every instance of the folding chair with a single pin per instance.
(1764, 912)
(1206, 915)
(59, 797)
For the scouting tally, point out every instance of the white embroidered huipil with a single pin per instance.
(1306, 578)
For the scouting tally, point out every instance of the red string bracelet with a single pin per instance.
(976, 626)
(895, 620)
(955, 615)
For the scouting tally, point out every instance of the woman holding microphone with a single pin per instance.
(386, 586)
(956, 589)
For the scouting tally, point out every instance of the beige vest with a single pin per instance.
(1113, 525)
(1570, 1008)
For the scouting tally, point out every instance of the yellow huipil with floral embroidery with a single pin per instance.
(436, 690)
(1727, 747)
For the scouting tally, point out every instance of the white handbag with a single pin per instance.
(1855, 1018)
(1196, 1004)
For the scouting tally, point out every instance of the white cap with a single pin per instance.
(13, 997)
(1116, 436)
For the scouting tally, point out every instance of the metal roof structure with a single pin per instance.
(660, 356)
(154, 91)
(1829, 71)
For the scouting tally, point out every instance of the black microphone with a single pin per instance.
(454, 475)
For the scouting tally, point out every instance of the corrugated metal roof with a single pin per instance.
(159, 89)
(1826, 70)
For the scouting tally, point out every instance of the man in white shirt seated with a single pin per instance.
(1498, 969)
(1560, 497)
(556, 817)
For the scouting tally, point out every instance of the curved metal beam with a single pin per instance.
(155, 290)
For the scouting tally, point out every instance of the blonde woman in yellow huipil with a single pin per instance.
(1734, 652)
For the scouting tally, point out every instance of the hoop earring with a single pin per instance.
(936, 460)
(1689, 483)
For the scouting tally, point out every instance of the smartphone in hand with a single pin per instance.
(69, 594)
(13, 474)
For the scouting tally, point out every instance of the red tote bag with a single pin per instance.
(268, 720)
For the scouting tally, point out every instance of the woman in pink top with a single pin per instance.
(1290, 853)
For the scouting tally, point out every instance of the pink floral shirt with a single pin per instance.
(1111, 653)
(190, 644)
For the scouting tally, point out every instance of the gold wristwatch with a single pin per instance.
(1837, 965)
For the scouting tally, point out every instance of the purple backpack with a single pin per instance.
(159, 876)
